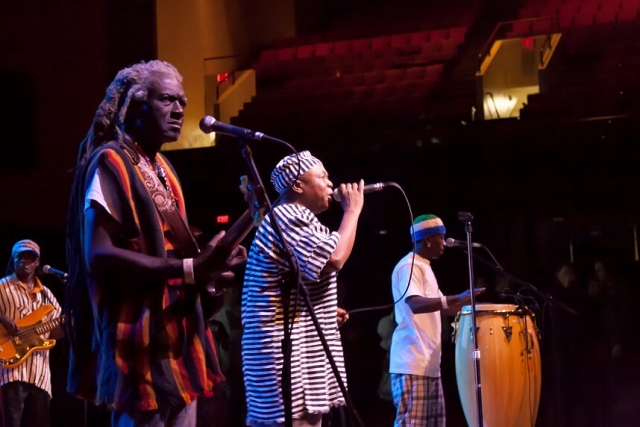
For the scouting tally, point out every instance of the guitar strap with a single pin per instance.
(184, 239)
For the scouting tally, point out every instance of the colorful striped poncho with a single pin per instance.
(143, 342)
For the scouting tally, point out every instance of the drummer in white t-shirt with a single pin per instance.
(416, 344)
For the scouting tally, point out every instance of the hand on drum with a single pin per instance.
(465, 296)
(456, 302)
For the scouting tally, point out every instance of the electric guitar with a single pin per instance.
(251, 218)
(15, 349)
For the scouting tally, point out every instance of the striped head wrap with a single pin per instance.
(290, 168)
(25, 246)
(426, 225)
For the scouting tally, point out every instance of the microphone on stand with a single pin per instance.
(47, 269)
(210, 124)
(453, 243)
(369, 188)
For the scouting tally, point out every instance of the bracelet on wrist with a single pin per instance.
(444, 302)
(187, 267)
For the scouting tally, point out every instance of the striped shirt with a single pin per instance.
(17, 302)
(314, 388)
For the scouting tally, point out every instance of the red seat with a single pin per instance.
(399, 40)
(324, 49)
(449, 48)
(434, 72)
(520, 28)
(352, 80)
(529, 11)
(404, 88)
(305, 51)
(419, 38)
(458, 33)
(606, 16)
(380, 43)
(269, 55)
(608, 13)
(342, 47)
(383, 91)
(568, 9)
(628, 12)
(360, 45)
(373, 78)
(382, 64)
(565, 20)
(590, 7)
(584, 18)
(437, 36)
(393, 75)
(541, 25)
(286, 53)
(362, 93)
(429, 51)
(414, 73)
(356, 67)
(549, 9)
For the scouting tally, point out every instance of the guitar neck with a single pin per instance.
(48, 326)
(237, 232)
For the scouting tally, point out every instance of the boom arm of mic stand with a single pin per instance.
(496, 267)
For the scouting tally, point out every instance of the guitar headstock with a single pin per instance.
(255, 198)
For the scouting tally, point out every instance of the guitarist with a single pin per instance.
(139, 341)
(26, 388)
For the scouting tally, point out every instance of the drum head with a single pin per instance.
(494, 308)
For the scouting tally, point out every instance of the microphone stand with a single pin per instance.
(466, 218)
(546, 297)
(262, 197)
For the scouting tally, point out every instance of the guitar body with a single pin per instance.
(15, 349)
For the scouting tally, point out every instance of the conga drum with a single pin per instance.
(509, 365)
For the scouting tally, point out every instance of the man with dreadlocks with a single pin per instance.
(139, 341)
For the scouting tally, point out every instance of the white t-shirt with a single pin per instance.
(416, 345)
(94, 192)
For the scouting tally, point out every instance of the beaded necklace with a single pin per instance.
(159, 171)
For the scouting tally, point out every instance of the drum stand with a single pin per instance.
(466, 218)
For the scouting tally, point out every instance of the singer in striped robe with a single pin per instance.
(317, 256)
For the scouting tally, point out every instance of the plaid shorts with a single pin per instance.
(419, 401)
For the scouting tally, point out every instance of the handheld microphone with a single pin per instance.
(369, 188)
(210, 124)
(452, 243)
(61, 274)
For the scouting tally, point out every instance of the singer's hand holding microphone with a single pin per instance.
(369, 188)
(350, 196)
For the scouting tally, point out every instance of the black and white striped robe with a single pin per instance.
(314, 386)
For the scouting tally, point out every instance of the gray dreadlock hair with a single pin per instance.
(130, 84)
